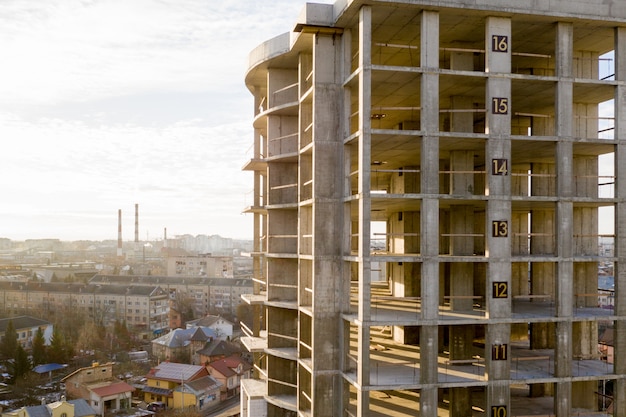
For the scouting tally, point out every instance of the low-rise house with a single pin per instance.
(230, 371)
(115, 396)
(180, 345)
(218, 349)
(165, 383)
(200, 394)
(97, 385)
(222, 327)
(26, 328)
(62, 408)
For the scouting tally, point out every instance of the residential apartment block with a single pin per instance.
(477, 149)
(208, 295)
(144, 309)
(200, 265)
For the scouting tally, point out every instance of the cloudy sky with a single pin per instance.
(108, 103)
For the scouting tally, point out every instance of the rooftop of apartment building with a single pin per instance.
(79, 288)
(169, 280)
(22, 322)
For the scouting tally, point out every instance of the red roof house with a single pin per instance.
(230, 371)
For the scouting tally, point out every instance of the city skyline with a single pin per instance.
(110, 104)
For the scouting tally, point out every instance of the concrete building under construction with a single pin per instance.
(482, 145)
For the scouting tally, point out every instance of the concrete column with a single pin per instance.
(565, 266)
(364, 203)
(585, 274)
(562, 398)
(462, 183)
(404, 227)
(543, 180)
(542, 336)
(364, 172)
(519, 246)
(582, 396)
(460, 402)
(586, 335)
(406, 283)
(565, 217)
(461, 225)
(563, 369)
(363, 373)
(461, 285)
(327, 221)
(498, 370)
(544, 235)
(429, 58)
(354, 237)
(586, 180)
(350, 226)
(586, 119)
(428, 370)
(620, 219)
(407, 181)
(519, 183)
(404, 237)
(498, 189)
(460, 60)
(406, 279)
(583, 285)
(460, 120)
(586, 232)
(258, 226)
(542, 242)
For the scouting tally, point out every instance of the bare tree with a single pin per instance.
(90, 337)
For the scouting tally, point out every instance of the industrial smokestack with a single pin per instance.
(119, 233)
(136, 223)
(165, 237)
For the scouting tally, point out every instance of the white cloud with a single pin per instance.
(77, 50)
(188, 175)
(108, 103)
